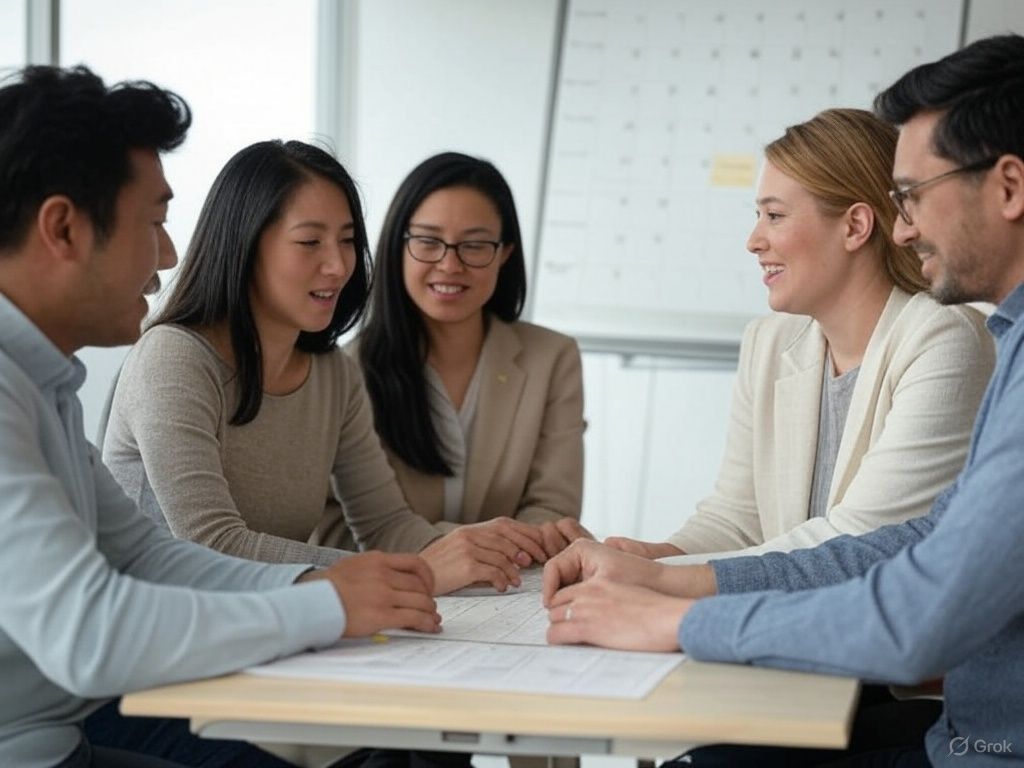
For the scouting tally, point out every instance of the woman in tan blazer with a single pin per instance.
(853, 406)
(481, 415)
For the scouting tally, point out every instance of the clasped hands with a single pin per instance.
(600, 595)
(494, 551)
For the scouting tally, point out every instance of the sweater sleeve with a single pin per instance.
(374, 507)
(164, 430)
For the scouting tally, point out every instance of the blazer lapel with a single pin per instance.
(501, 386)
(797, 404)
(857, 429)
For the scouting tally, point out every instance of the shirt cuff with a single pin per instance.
(311, 613)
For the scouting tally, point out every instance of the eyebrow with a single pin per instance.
(320, 225)
(470, 231)
(768, 199)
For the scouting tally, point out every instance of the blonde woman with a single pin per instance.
(853, 404)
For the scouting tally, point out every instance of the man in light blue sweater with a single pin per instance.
(942, 595)
(97, 600)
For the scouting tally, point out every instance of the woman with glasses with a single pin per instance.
(236, 419)
(853, 405)
(481, 414)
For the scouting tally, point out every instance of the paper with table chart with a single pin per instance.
(490, 642)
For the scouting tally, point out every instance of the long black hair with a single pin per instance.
(249, 195)
(393, 341)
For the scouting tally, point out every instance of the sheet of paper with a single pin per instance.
(419, 661)
(485, 615)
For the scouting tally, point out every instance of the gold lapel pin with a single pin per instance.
(502, 378)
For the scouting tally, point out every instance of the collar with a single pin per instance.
(32, 351)
(1007, 313)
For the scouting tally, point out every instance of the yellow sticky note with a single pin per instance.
(732, 170)
(379, 638)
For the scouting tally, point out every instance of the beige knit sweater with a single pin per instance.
(255, 491)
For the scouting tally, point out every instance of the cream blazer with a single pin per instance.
(920, 383)
(526, 447)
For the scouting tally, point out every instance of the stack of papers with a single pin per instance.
(489, 642)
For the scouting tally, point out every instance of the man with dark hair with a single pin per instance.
(939, 595)
(96, 599)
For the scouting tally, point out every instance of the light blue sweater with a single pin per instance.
(940, 595)
(95, 599)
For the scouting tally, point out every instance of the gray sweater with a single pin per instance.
(940, 595)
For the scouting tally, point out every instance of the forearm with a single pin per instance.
(829, 563)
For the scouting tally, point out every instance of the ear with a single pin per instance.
(859, 223)
(64, 230)
(1009, 173)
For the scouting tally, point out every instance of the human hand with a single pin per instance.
(558, 534)
(652, 550)
(601, 612)
(382, 591)
(585, 559)
(491, 552)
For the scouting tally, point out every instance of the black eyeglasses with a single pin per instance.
(472, 253)
(902, 195)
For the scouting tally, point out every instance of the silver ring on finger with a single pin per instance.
(568, 613)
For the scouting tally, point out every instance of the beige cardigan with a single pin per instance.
(526, 455)
(906, 435)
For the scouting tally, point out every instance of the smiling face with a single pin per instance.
(304, 259)
(122, 270)
(799, 248)
(449, 291)
(949, 230)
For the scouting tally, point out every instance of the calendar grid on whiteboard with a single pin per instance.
(661, 110)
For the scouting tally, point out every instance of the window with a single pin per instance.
(246, 69)
(12, 35)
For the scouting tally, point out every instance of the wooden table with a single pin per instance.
(696, 704)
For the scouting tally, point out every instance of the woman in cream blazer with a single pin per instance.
(481, 415)
(854, 307)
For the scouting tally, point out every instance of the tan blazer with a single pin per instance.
(526, 449)
(905, 439)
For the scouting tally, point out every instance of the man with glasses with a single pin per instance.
(939, 595)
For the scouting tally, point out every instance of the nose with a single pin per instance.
(337, 262)
(167, 255)
(756, 242)
(450, 261)
(903, 233)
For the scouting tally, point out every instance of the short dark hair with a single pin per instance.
(248, 195)
(392, 346)
(63, 132)
(980, 91)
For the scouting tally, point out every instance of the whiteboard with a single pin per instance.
(661, 110)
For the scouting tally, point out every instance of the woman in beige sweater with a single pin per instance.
(236, 415)
(853, 405)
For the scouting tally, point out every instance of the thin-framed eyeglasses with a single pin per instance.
(901, 195)
(472, 253)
